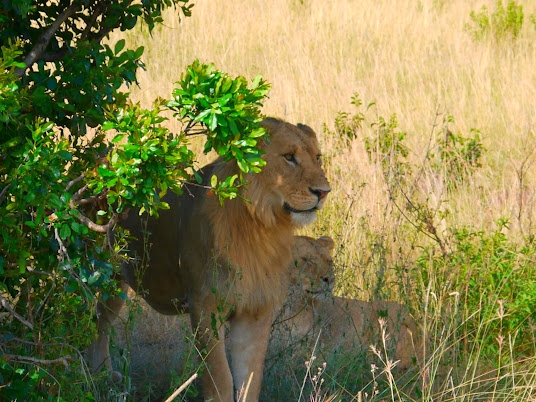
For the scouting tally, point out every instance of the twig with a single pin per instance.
(74, 181)
(5, 304)
(37, 51)
(100, 228)
(191, 125)
(28, 359)
(100, 8)
(37, 272)
(244, 391)
(62, 249)
(309, 364)
(3, 193)
(89, 200)
(181, 388)
(76, 196)
(99, 36)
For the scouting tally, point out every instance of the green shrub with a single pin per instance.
(75, 155)
(504, 22)
(496, 281)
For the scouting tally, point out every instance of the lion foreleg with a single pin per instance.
(99, 350)
(248, 342)
(216, 378)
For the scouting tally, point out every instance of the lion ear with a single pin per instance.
(270, 123)
(326, 241)
(307, 130)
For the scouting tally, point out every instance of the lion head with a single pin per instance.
(292, 182)
(312, 267)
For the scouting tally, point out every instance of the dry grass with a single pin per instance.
(412, 59)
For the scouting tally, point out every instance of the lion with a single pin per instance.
(338, 323)
(226, 264)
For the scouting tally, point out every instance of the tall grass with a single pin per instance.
(419, 75)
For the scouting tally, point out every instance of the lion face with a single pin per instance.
(293, 183)
(312, 269)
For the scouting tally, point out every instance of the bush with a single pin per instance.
(76, 155)
(504, 22)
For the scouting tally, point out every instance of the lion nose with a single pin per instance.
(321, 193)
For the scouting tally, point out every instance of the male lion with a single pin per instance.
(342, 324)
(227, 263)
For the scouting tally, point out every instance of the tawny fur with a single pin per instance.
(353, 325)
(226, 263)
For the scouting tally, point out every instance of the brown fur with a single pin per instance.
(343, 323)
(230, 263)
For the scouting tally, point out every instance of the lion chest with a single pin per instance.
(253, 267)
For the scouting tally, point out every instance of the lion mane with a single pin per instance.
(226, 263)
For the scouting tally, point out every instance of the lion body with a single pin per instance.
(343, 325)
(227, 263)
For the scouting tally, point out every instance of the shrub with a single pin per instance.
(504, 22)
(75, 156)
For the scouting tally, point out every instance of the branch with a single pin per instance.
(100, 35)
(5, 304)
(181, 388)
(100, 8)
(74, 181)
(89, 200)
(76, 200)
(28, 359)
(37, 272)
(189, 130)
(37, 52)
(3, 193)
(102, 228)
(62, 249)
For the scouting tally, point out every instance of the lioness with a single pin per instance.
(342, 323)
(227, 263)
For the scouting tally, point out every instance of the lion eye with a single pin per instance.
(290, 158)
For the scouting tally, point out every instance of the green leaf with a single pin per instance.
(139, 52)
(66, 155)
(203, 114)
(105, 172)
(256, 133)
(52, 84)
(256, 81)
(119, 46)
(242, 164)
(213, 122)
(65, 231)
(107, 125)
(118, 138)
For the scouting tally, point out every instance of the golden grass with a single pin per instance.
(412, 59)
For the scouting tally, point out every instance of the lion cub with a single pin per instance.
(341, 324)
